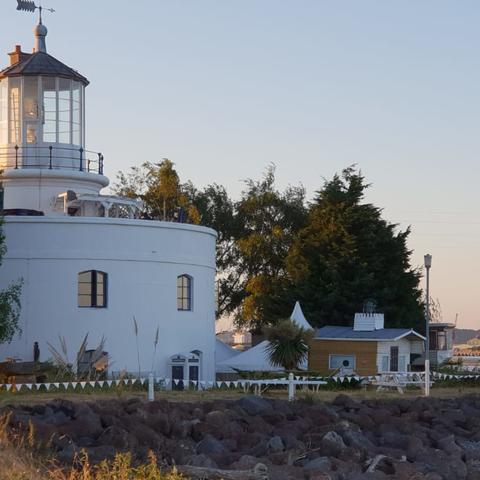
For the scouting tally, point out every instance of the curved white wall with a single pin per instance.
(37, 189)
(142, 258)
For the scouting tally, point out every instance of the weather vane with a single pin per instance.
(29, 6)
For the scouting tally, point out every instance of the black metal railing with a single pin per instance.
(51, 157)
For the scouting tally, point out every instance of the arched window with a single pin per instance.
(92, 289)
(184, 292)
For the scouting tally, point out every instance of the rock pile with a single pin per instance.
(422, 439)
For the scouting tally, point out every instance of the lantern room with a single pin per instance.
(42, 111)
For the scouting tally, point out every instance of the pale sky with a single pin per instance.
(223, 88)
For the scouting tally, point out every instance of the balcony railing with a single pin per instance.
(51, 157)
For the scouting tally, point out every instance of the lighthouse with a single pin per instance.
(42, 131)
(89, 263)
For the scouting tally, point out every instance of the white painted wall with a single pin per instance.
(383, 350)
(38, 189)
(142, 258)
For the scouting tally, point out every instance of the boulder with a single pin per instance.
(211, 446)
(275, 444)
(254, 405)
(332, 444)
(322, 464)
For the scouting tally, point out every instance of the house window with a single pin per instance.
(184, 292)
(336, 362)
(92, 289)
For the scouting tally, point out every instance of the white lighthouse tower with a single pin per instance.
(42, 131)
(89, 264)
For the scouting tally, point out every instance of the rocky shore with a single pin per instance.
(421, 439)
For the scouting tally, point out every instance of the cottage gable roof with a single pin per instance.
(41, 63)
(348, 333)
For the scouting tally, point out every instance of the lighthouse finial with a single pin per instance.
(40, 30)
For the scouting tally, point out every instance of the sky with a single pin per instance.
(225, 87)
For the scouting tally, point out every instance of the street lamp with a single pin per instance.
(428, 263)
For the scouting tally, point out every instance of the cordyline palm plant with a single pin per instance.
(288, 345)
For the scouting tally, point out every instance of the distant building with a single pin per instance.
(367, 348)
(441, 342)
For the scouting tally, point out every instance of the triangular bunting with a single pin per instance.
(142, 381)
(82, 384)
(92, 384)
(109, 383)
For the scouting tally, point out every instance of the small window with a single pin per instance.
(341, 361)
(184, 292)
(92, 289)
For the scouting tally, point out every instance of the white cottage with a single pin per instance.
(88, 263)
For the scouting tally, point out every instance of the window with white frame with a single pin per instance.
(92, 289)
(184, 292)
(339, 361)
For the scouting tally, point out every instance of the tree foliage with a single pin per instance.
(288, 344)
(9, 303)
(158, 186)
(348, 253)
(270, 220)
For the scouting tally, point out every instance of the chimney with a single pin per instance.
(17, 55)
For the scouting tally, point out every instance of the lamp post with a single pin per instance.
(428, 264)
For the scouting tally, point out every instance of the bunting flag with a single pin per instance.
(8, 386)
(142, 381)
(176, 381)
(28, 385)
(219, 384)
(109, 383)
(56, 385)
(126, 380)
(92, 384)
(66, 385)
(82, 384)
(117, 382)
(134, 380)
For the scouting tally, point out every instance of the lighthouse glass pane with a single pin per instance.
(14, 110)
(3, 112)
(49, 110)
(30, 98)
(76, 116)
(64, 102)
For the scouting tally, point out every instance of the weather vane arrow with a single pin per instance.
(29, 6)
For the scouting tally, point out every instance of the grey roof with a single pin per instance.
(348, 333)
(41, 63)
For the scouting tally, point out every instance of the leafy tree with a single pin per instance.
(288, 344)
(270, 220)
(9, 303)
(158, 186)
(217, 210)
(348, 253)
